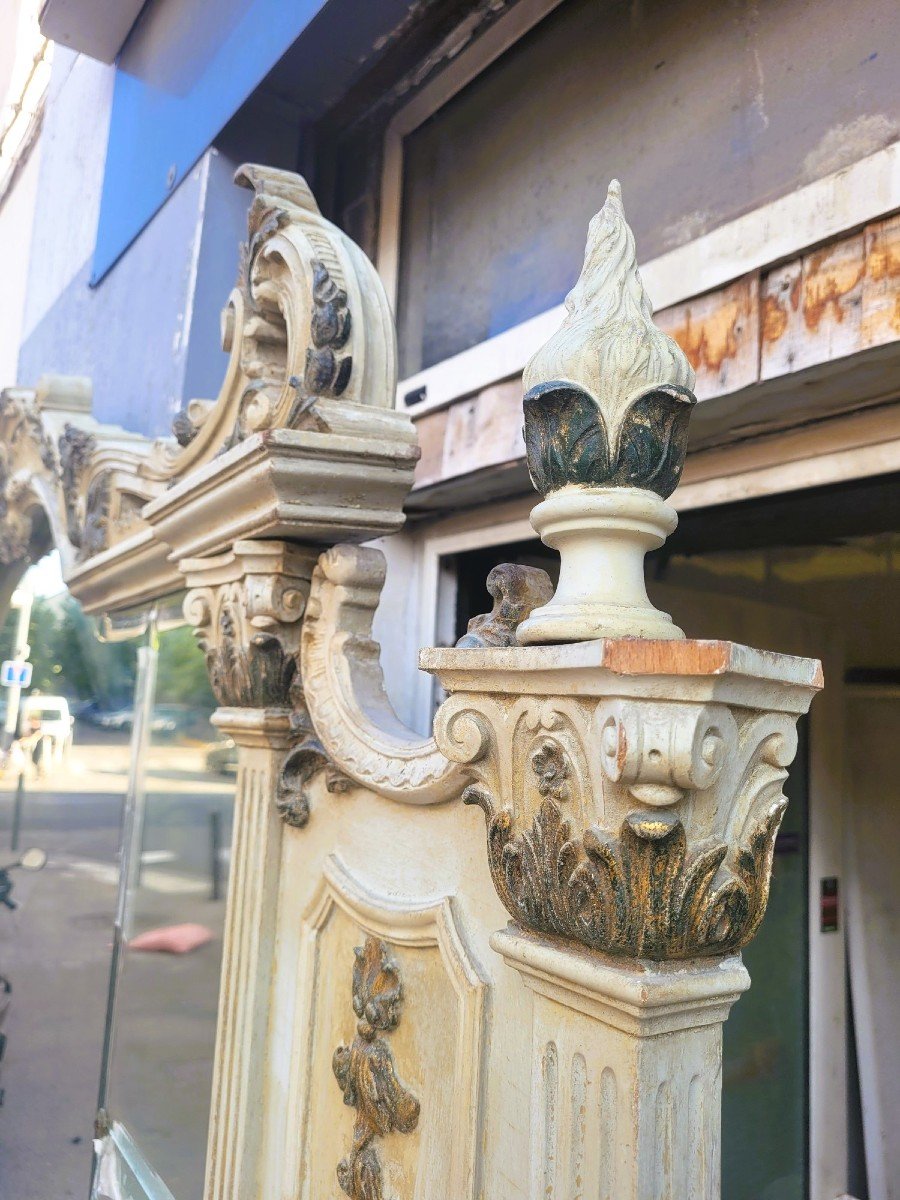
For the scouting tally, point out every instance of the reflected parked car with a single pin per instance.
(165, 719)
(89, 711)
(122, 719)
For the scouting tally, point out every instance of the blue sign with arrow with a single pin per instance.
(15, 674)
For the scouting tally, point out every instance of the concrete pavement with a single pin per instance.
(55, 949)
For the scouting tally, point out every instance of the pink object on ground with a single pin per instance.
(172, 939)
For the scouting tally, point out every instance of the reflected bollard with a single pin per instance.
(215, 856)
(18, 803)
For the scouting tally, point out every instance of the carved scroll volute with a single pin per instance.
(309, 332)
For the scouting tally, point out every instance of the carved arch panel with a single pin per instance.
(436, 1045)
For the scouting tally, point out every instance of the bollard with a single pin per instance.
(18, 802)
(215, 856)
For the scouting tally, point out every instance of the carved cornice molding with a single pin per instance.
(245, 607)
(29, 475)
(56, 458)
(304, 424)
(635, 816)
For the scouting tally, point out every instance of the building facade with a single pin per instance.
(464, 147)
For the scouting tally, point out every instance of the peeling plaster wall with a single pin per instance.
(703, 111)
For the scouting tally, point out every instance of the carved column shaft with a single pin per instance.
(626, 1073)
(236, 1127)
(246, 607)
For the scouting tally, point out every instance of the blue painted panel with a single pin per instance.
(186, 68)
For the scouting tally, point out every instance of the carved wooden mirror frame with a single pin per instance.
(631, 779)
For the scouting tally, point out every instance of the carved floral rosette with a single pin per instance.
(637, 817)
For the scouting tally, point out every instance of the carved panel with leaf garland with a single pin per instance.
(436, 1047)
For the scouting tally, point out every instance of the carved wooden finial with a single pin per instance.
(608, 398)
(607, 405)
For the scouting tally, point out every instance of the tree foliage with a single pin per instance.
(181, 676)
(67, 657)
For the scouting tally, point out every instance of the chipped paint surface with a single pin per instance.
(719, 334)
(835, 302)
(832, 281)
(881, 313)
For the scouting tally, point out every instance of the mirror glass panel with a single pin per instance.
(173, 914)
(64, 770)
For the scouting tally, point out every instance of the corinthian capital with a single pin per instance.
(632, 790)
(245, 607)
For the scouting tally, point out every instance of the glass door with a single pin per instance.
(764, 1071)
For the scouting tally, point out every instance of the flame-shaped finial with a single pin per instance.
(609, 355)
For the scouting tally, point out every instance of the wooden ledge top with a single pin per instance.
(632, 657)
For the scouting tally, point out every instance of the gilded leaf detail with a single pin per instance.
(640, 894)
(366, 1075)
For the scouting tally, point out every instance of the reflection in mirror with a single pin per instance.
(173, 912)
(64, 763)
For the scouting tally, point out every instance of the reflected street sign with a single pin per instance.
(15, 674)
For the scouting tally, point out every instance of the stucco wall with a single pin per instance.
(704, 111)
(147, 335)
(16, 222)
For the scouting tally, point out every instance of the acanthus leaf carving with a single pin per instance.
(639, 825)
(303, 762)
(366, 1074)
(640, 894)
(95, 532)
(245, 607)
(327, 371)
(76, 448)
